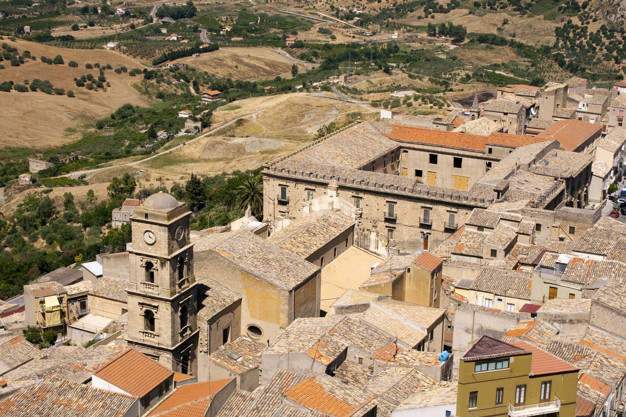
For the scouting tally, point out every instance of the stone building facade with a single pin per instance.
(411, 187)
(162, 293)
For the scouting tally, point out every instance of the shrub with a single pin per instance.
(49, 337)
(59, 91)
(88, 66)
(73, 64)
(75, 27)
(6, 86)
(58, 60)
(70, 93)
(21, 88)
(32, 334)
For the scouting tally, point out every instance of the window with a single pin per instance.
(520, 394)
(499, 299)
(283, 193)
(82, 305)
(492, 365)
(226, 335)
(149, 271)
(494, 253)
(390, 234)
(546, 387)
(309, 195)
(451, 219)
(489, 151)
(572, 296)
(148, 321)
(510, 307)
(458, 162)
(254, 331)
(184, 317)
(479, 300)
(488, 165)
(572, 230)
(391, 210)
(432, 158)
(488, 302)
(419, 173)
(473, 399)
(181, 268)
(538, 227)
(499, 395)
(357, 202)
(360, 359)
(426, 216)
(334, 252)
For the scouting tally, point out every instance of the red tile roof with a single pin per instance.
(459, 140)
(530, 308)
(312, 395)
(521, 328)
(191, 400)
(428, 261)
(570, 133)
(133, 373)
(131, 202)
(584, 407)
(544, 363)
(594, 384)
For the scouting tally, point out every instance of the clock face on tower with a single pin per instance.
(149, 237)
(180, 232)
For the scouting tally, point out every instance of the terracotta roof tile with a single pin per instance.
(189, 400)
(428, 261)
(133, 373)
(543, 363)
(489, 347)
(570, 133)
(438, 138)
(584, 407)
(313, 395)
(594, 384)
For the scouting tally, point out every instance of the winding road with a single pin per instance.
(77, 174)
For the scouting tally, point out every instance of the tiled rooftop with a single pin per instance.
(612, 295)
(488, 347)
(515, 284)
(618, 251)
(428, 261)
(239, 356)
(614, 140)
(133, 373)
(537, 332)
(111, 288)
(560, 305)
(421, 315)
(15, 352)
(190, 400)
(63, 275)
(351, 148)
(214, 297)
(501, 237)
(57, 397)
(502, 105)
(237, 404)
(600, 238)
(570, 133)
(260, 258)
(562, 164)
(307, 235)
(45, 289)
(405, 331)
(470, 244)
(432, 396)
(483, 218)
(544, 363)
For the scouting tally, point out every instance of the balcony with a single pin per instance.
(391, 217)
(538, 409)
(450, 226)
(149, 287)
(282, 199)
(147, 334)
(426, 222)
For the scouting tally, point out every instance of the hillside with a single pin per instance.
(40, 120)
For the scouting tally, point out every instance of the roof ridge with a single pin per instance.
(169, 410)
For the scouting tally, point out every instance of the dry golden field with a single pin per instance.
(39, 120)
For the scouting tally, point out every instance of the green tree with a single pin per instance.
(49, 337)
(195, 193)
(250, 194)
(124, 186)
(32, 334)
(75, 27)
(294, 70)
(58, 60)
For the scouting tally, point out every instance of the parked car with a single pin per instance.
(614, 214)
(623, 210)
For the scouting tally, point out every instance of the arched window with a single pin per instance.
(184, 317)
(149, 271)
(148, 321)
(181, 268)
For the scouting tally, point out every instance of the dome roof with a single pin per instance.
(160, 201)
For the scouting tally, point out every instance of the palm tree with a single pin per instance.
(250, 193)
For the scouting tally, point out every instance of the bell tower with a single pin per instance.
(162, 295)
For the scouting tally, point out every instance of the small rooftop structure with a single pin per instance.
(132, 373)
(191, 400)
